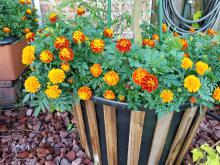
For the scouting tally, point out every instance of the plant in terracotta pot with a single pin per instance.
(18, 20)
(138, 103)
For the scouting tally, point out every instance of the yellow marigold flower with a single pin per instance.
(186, 63)
(121, 98)
(80, 11)
(201, 67)
(56, 76)
(28, 55)
(53, 91)
(96, 70)
(164, 28)
(78, 37)
(28, 11)
(46, 56)
(166, 96)
(84, 93)
(108, 33)
(22, 2)
(109, 94)
(30, 36)
(28, 2)
(36, 20)
(216, 94)
(32, 84)
(97, 45)
(6, 30)
(65, 67)
(192, 83)
(111, 78)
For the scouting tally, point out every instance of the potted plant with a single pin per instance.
(138, 103)
(18, 18)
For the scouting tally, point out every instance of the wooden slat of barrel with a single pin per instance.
(94, 134)
(135, 136)
(181, 134)
(111, 134)
(160, 135)
(81, 128)
(191, 134)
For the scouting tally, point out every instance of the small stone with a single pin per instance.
(71, 156)
(23, 155)
(50, 163)
(80, 154)
(43, 152)
(31, 161)
(16, 135)
(77, 161)
(65, 162)
(37, 126)
(49, 157)
(48, 117)
(21, 126)
(6, 139)
(57, 160)
(29, 112)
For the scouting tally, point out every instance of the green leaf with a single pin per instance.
(218, 149)
(197, 154)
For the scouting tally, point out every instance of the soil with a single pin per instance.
(46, 140)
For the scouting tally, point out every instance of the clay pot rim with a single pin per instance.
(8, 40)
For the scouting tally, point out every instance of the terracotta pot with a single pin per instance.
(11, 65)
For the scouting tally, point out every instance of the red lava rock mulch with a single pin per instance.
(26, 140)
(208, 132)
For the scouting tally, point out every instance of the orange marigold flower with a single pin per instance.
(148, 42)
(192, 30)
(30, 36)
(149, 83)
(175, 34)
(166, 96)
(96, 70)
(155, 37)
(186, 63)
(192, 100)
(184, 43)
(216, 94)
(66, 54)
(78, 37)
(123, 45)
(61, 42)
(28, 11)
(28, 2)
(138, 75)
(186, 55)
(109, 94)
(27, 30)
(32, 84)
(65, 67)
(211, 32)
(46, 56)
(53, 17)
(80, 11)
(97, 45)
(164, 28)
(6, 30)
(201, 67)
(111, 78)
(108, 33)
(53, 91)
(84, 93)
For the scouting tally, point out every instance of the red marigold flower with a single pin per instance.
(30, 36)
(80, 11)
(66, 54)
(164, 28)
(61, 42)
(123, 45)
(138, 75)
(53, 17)
(148, 42)
(184, 43)
(192, 100)
(97, 45)
(149, 83)
(78, 37)
(155, 37)
(108, 33)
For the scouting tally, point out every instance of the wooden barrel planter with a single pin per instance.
(111, 134)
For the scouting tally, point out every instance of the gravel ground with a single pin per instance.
(27, 140)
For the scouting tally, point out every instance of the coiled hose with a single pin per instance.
(181, 25)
